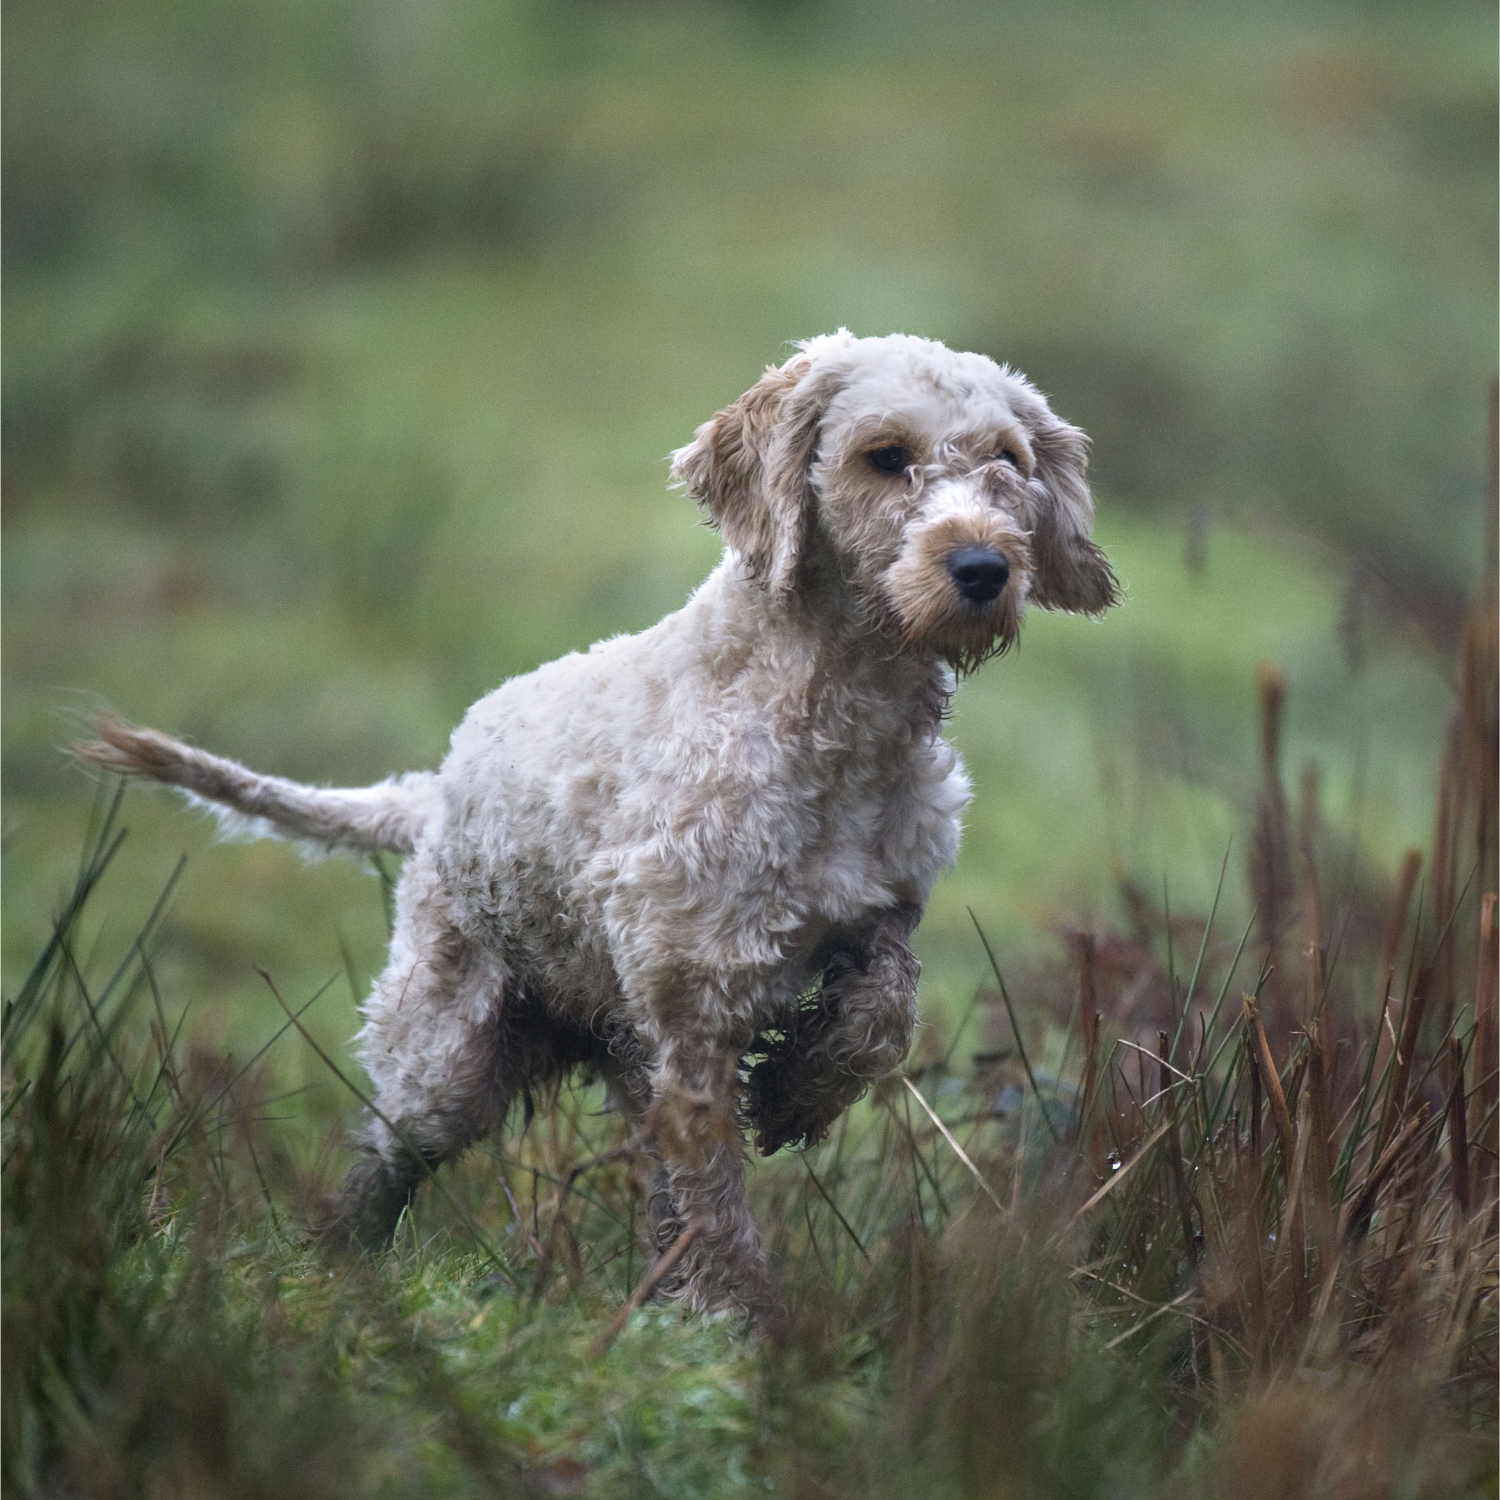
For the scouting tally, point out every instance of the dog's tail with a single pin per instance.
(389, 816)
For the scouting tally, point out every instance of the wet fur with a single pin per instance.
(692, 859)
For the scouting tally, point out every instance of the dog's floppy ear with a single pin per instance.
(748, 468)
(1069, 571)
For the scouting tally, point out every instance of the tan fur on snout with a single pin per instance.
(691, 859)
(926, 601)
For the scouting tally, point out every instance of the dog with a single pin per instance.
(691, 860)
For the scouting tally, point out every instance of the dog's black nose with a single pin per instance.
(979, 573)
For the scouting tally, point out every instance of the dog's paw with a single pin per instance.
(775, 1112)
(767, 1107)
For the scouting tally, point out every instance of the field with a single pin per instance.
(346, 345)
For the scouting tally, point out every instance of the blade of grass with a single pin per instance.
(1166, 914)
(1231, 1033)
(1208, 928)
(958, 1034)
(66, 949)
(20, 1012)
(958, 1150)
(662, 1265)
(837, 1211)
(1010, 1011)
(1358, 1209)
(164, 1070)
(1271, 1082)
(1458, 1133)
(200, 1111)
(132, 953)
(1126, 1168)
(1406, 1047)
(1173, 1306)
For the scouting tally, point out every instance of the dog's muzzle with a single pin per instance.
(978, 573)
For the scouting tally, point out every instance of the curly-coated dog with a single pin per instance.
(705, 847)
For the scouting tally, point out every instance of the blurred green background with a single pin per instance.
(347, 341)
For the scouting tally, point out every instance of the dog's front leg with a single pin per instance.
(861, 1030)
(694, 1132)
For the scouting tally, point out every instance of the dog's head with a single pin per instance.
(940, 486)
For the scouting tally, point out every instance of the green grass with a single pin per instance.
(346, 345)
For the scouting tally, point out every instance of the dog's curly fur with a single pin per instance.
(709, 842)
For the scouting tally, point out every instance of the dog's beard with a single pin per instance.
(966, 644)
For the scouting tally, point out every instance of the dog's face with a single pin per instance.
(939, 486)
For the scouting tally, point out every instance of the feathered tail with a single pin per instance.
(389, 816)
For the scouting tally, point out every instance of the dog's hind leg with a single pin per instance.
(434, 1046)
(860, 1031)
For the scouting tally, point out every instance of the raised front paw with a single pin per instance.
(781, 1109)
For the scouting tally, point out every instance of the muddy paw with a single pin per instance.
(778, 1117)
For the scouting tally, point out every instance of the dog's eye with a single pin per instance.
(890, 458)
(1007, 456)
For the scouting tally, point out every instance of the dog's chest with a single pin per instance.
(882, 825)
(609, 803)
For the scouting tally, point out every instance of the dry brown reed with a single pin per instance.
(1270, 859)
(1361, 1235)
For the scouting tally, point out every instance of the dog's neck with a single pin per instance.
(829, 654)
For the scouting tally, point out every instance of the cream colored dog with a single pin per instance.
(702, 849)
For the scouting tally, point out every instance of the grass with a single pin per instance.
(1258, 1258)
(333, 331)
